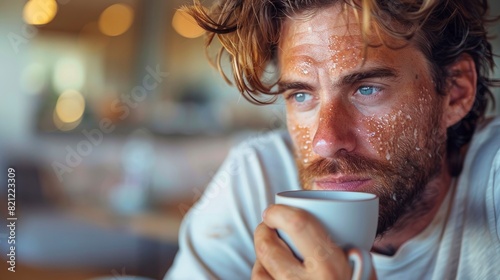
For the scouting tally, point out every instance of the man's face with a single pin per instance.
(360, 123)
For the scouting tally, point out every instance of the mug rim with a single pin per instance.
(360, 196)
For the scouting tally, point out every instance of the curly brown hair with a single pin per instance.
(249, 32)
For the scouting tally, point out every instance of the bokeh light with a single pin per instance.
(69, 110)
(116, 19)
(62, 126)
(39, 12)
(186, 25)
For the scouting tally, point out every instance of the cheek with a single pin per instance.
(302, 140)
(404, 129)
(386, 133)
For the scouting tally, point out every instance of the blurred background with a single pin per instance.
(113, 122)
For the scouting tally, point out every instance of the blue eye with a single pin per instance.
(302, 97)
(368, 90)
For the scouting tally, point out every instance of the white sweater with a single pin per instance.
(462, 242)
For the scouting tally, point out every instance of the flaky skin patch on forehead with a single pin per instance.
(348, 47)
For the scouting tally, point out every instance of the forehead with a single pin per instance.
(331, 35)
(309, 28)
(335, 19)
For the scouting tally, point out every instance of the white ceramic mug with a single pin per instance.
(350, 218)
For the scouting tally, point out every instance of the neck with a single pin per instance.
(421, 215)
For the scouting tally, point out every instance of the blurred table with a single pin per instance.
(161, 226)
(81, 239)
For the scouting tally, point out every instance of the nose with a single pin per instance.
(335, 131)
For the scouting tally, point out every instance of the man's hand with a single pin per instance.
(323, 259)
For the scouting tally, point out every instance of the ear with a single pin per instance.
(460, 90)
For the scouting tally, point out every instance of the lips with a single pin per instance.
(341, 183)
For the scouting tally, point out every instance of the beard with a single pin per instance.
(400, 184)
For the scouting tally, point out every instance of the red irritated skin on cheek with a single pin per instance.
(303, 143)
(390, 133)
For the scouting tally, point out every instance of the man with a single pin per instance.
(382, 97)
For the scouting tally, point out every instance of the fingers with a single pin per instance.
(259, 272)
(273, 255)
(310, 238)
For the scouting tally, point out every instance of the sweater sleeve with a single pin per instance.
(215, 240)
(216, 236)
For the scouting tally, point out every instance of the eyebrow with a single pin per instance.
(379, 72)
(349, 79)
(285, 86)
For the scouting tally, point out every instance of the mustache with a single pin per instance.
(344, 163)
